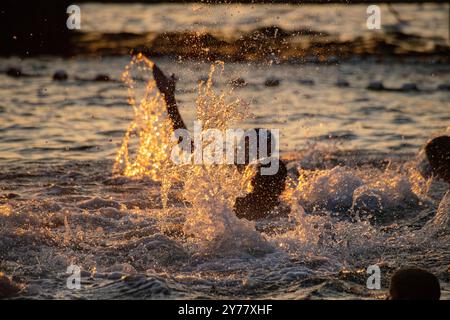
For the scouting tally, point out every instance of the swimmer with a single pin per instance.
(414, 284)
(266, 189)
(438, 154)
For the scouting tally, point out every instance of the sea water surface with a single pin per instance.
(79, 119)
(61, 204)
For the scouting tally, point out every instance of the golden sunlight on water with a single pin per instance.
(210, 189)
(150, 124)
(88, 176)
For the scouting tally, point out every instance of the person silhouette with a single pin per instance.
(266, 188)
(438, 154)
(414, 284)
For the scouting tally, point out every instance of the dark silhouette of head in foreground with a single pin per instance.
(8, 288)
(414, 284)
(438, 154)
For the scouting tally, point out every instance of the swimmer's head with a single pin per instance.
(438, 154)
(414, 284)
(256, 144)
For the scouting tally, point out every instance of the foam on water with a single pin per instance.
(128, 246)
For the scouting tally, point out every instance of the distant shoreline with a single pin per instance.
(258, 45)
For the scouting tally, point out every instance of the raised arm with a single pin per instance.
(167, 87)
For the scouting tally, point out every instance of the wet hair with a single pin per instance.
(266, 188)
(414, 284)
(438, 154)
(270, 139)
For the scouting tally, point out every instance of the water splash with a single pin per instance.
(439, 225)
(319, 199)
(150, 124)
(210, 223)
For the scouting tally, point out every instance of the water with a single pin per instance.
(44, 119)
(53, 215)
(137, 232)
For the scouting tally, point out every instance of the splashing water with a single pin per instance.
(210, 225)
(151, 124)
(57, 214)
(209, 189)
(332, 209)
